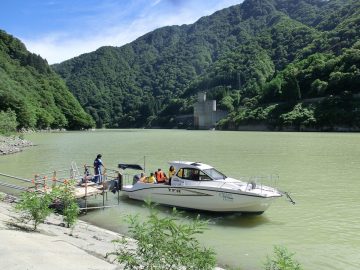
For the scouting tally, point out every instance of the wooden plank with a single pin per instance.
(91, 190)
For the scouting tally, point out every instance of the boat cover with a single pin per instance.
(130, 166)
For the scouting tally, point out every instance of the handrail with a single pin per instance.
(13, 186)
(246, 183)
(15, 177)
(55, 177)
(47, 173)
(43, 182)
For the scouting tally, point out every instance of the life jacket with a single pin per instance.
(160, 176)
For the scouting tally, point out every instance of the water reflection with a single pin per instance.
(243, 220)
(128, 206)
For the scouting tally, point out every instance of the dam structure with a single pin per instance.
(205, 113)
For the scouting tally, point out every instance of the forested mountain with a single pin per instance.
(273, 62)
(32, 94)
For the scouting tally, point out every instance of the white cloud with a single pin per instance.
(56, 50)
(155, 2)
(60, 46)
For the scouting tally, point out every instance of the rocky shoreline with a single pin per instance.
(12, 144)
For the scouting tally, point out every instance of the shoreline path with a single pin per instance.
(54, 246)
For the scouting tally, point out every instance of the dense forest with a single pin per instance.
(276, 63)
(32, 95)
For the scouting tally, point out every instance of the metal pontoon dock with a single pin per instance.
(44, 182)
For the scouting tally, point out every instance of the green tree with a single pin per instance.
(64, 196)
(164, 243)
(282, 260)
(299, 116)
(227, 103)
(34, 206)
(30, 88)
(275, 51)
(8, 122)
(290, 89)
(319, 87)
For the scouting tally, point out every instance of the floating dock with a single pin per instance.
(83, 189)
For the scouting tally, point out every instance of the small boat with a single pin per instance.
(199, 186)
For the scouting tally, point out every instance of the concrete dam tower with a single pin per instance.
(205, 113)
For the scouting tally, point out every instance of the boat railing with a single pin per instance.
(260, 183)
(127, 178)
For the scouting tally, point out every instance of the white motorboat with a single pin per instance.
(200, 186)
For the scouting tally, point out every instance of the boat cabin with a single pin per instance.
(196, 171)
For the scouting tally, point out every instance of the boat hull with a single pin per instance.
(200, 198)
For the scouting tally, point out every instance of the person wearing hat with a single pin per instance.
(98, 165)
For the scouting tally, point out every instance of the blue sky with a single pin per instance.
(61, 29)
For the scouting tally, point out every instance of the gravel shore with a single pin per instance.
(12, 144)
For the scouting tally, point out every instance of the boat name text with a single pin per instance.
(226, 196)
(175, 190)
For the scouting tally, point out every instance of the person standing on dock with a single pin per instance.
(98, 172)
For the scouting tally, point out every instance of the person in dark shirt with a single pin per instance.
(98, 169)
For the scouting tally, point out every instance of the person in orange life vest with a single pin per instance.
(160, 176)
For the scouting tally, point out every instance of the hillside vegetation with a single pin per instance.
(32, 95)
(279, 63)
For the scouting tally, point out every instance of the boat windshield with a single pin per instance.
(214, 174)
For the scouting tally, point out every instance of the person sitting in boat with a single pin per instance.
(150, 179)
(194, 175)
(139, 177)
(171, 174)
(160, 176)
